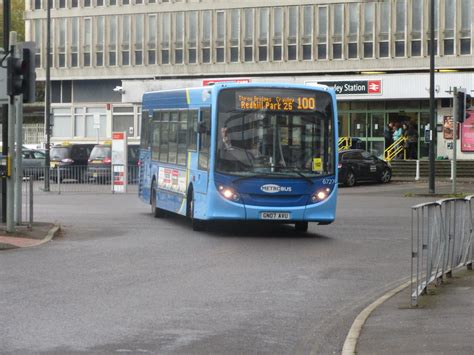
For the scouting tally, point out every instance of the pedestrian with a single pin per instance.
(387, 133)
(397, 131)
(412, 141)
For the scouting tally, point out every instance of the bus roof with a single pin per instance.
(200, 96)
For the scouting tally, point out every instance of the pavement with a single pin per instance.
(28, 236)
(443, 322)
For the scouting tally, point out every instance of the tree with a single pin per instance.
(17, 8)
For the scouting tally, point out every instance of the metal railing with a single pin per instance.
(64, 179)
(344, 143)
(396, 149)
(441, 241)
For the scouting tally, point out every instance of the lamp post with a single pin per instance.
(47, 98)
(433, 120)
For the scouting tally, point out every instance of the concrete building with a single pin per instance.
(106, 53)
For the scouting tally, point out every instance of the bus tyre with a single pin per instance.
(350, 179)
(157, 212)
(198, 224)
(301, 226)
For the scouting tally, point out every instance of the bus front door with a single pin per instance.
(201, 175)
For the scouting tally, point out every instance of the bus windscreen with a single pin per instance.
(275, 131)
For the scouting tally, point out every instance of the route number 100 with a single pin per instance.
(306, 103)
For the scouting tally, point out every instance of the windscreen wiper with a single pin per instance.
(299, 173)
(254, 176)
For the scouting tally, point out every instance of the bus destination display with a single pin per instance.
(286, 103)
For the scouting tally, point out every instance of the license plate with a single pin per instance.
(53, 165)
(274, 215)
(97, 162)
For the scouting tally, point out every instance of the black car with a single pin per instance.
(33, 163)
(99, 167)
(70, 161)
(356, 165)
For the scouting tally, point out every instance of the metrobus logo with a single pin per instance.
(272, 188)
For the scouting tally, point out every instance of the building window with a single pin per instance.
(192, 37)
(449, 26)
(248, 35)
(307, 38)
(74, 3)
(37, 37)
(151, 43)
(165, 38)
(400, 23)
(74, 42)
(384, 30)
(125, 46)
(353, 36)
(61, 49)
(234, 35)
(292, 33)
(322, 32)
(369, 22)
(466, 23)
(220, 37)
(37, 5)
(436, 28)
(87, 47)
(112, 41)
(62, 122)
(84, 118)
(125, 2)
(87, 3)
(179, 38)
(112, 2)
(277, 34)
(264, 20)
(416, 27)
(100, 2)
(62, 4)
(206, 36)
(139, 35)
(337, 31)
(99, 48)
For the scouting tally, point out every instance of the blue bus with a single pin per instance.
(253, 152)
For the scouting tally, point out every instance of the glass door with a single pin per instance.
(359, 129)
(376, 133)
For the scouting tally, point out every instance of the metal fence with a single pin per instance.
(66, 179)
(441, 241)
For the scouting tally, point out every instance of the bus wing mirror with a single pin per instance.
(202, 128)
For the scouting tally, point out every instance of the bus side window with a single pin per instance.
(205, 140)
(192, 133)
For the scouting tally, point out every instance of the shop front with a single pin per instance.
(367, 122)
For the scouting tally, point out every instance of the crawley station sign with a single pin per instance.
(355, 87)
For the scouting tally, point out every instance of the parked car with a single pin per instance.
(357, 165)
(99, 168)
(70, 161)
(33, 163)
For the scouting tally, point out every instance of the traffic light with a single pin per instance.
(15, 70)
(464, 103)
(21, 76)
(29, 76)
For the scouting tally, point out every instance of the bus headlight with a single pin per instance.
(229, 193)
(320, 195)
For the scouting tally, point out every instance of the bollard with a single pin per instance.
(31, 202)
(417, 176)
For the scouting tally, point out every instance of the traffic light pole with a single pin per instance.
(11, 150)
(6, 45)
(455, 138)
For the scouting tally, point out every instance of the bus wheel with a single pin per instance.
(198, 224)
(157, 212)
(301, 226)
